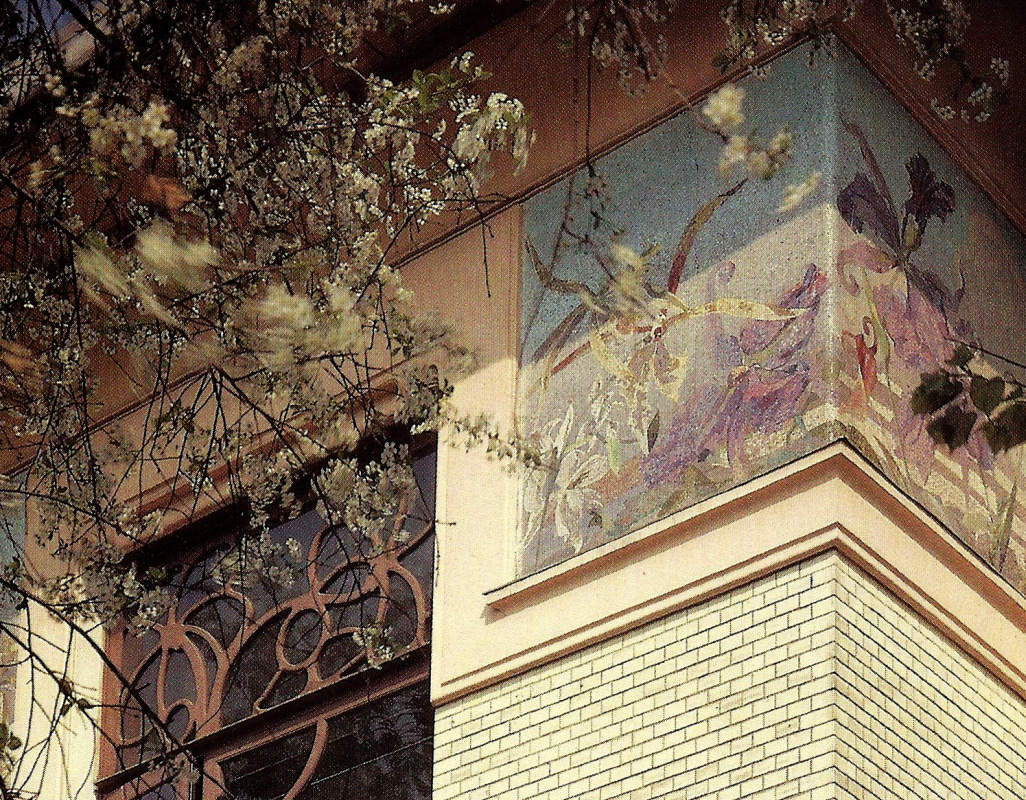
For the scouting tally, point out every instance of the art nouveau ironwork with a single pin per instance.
(225, 653)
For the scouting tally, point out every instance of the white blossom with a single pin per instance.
(723, 108)
(795, 193)
(1000, 67)
(734, 153)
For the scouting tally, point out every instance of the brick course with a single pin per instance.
(813, 682)
(920, 719)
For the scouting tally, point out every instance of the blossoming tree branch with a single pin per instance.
(200, 201)
(202, 205)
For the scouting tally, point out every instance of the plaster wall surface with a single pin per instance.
(811, 682)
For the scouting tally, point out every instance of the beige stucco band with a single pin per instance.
(830, 500)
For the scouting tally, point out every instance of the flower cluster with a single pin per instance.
(762, 163)
(622, 35)
(134, 134)
(201, 292)
(932, 29)
(795, 193)
(376, 639)
(723, 115)
(753, 26)
(489, 125)
(370, 498)
(723, 108)
(935, 31)
(259, 560)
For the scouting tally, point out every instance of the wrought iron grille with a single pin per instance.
(225, 653)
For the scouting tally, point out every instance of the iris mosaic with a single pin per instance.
(680, 334)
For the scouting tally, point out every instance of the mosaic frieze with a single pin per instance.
(681, 334)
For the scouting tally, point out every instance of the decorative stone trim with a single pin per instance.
(831, 500)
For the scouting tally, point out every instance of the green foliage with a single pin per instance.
(9, 747)
(935, 391)
(962, 356)
(986, 393)
(8, 741)
(953, 427)
(1007, 429)
(961, 402)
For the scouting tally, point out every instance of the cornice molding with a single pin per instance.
(832, 500)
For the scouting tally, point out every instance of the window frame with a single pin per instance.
(340, 694)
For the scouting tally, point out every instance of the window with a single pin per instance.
(386, 742)
(266, 685)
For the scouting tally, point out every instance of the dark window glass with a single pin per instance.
(379, 751)
(269, 771)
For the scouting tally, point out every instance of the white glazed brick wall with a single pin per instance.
(733, 698)
(920, 720)
(811, 683)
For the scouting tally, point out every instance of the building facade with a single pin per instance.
(747, 569)
(754, 572)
